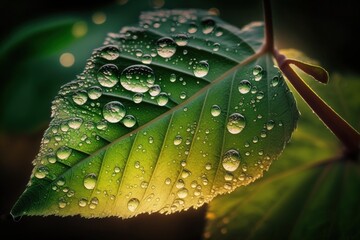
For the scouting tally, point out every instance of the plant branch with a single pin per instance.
(343, 130)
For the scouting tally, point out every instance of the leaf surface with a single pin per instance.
(164, 117)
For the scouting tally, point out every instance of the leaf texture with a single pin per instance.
(165, 116)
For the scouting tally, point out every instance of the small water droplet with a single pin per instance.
(62, 203)
(146, 59)
(63, 152)
(180, 184)
(94, 92)
(93, 203)
(75, 123)
(60, 182)
(114, 111)
(133, 204)
(162, 99)
(231, 160)
(82, 202)
(208, 166)
(192, 28)
(275, 81)
(270, 125)
(41, 172)
(80, 97)
(116, 169)
(260, 95)
(107, 75)
(182, 95)
(144, 184)
(166, 47)
(244, 86)
(138, 53)
(228, 176)
(172, 77)
(138, 97)
(167, 181)
(182, 193)
(216, 47)
(137, 78)
(90, 181)
(208, 25)
(257, 70)
(177, 140)
(110, 52)
(129, 121)
(215, 110)
(185, 173)
(236, 123)
(181, 39)
(201, 69)
(154, 90)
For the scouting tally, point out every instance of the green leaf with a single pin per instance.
(309, 193)
(164, 117)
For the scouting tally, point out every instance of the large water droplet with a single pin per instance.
(94, 92)
(244, 86)
(129, 121)
(231, 160)
(208, 25)
(162, 99)
(108, 75)
(166, 47)
(215, 110)
(201, 69)
(80, 97)
(137, 78)
(236, 123)
(63, 152)
(110, 52)
(181, 39)
(114, 111)
(133, 204)
(90, 181)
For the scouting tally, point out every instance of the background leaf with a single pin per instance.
(174, 133)
(310, 192)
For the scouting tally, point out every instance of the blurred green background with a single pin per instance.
(44, 44)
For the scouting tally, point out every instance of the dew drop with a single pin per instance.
(236, 123)
(182, 193)
(167, 181)
(274, 81)
(231, 160)
(90, 181)
(181, 39)
(182, 95)
(138, 97)
(133, 204)
(215, 110)
(75, 123)
(216, 47)
(107, 75)
(257, 70)
(146, 59)
(154, 90)
(114, 111)
(138, 52)
(201, 69)
(166, 47)
(63, 152)
(62, 203)
(244, 86)
(270, 125)
(94, 92)
(192, 28)
(41, 172)
(93, 203)
(208, 25)
(172, 77)
(80, 97)
(208, 166)
(110, 52)
(260, 95)
(137, 78)
(129, 121)
(82, 202)
(177, 140)
(162, 99)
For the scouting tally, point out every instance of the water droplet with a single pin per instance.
(114, 111)
(228, 176)
(133, 204)
(75, 123)
(93, 203)
(270, 125)
(208, 25)
(116, 169)
(275, 81)
(182, 193)
(215, 110)
(236, 123)
(192, 28)
(108, 75)
(162, 99)
(182, 95)
(129, 121)
(41, 172)
(244, 86)
(172, 77)
(177, 140)
(231, 160)
(201, 69)
(260, 95)
(138, 52)
(102, 125)
(154, 90)
(216, 47)
(51, 158)
(257, 70)
(94, 92)
(110, 52)
(90, 181)
(60, 182)
(208, 166)
(138, 97)
(82, 202)
(63, 152)
(181, 39)
(146, 59)
(167, 181)
(80, 97)
(137, 78)
(180, 184)
(144, 184)
(166, 47)
(62, 203)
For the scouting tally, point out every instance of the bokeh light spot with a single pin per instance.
(67, 59)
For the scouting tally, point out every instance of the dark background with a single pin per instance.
(323, 30)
